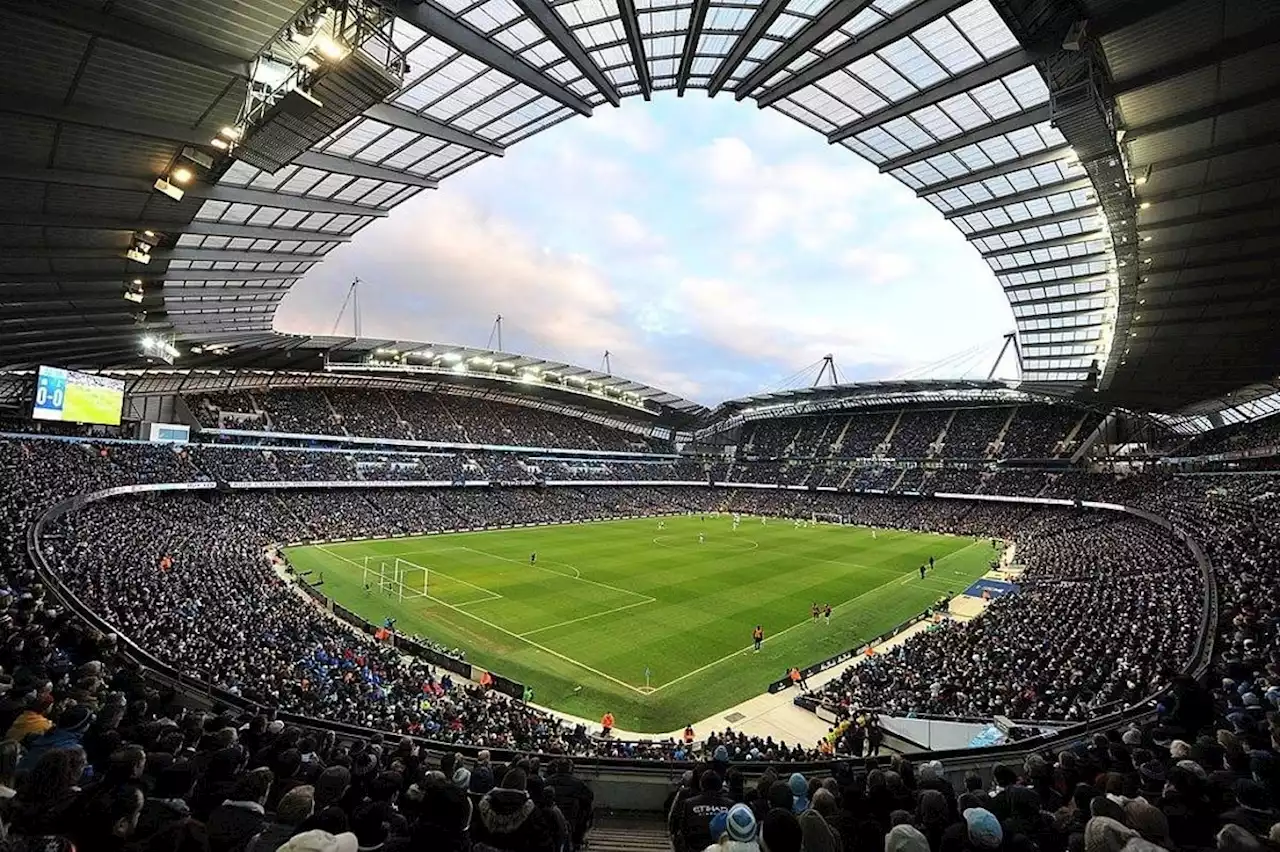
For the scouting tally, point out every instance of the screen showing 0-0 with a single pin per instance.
(77, 397)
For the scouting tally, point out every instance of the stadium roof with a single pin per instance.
(976, 105)
(269, 351)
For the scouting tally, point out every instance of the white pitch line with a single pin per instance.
(450, 577)
(782, 632)
(588, 617)
(500, 629)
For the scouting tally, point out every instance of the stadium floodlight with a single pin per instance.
(163, 185)
(220, 143)
(133, 291)
(451, 357)
(181, 174)
(137, 255)
(331, 48)
(481, 360)
(460, 367)
(231, 132)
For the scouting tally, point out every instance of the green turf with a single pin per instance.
(606, 600)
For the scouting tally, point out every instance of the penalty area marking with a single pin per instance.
(486, 622)
(492, 595)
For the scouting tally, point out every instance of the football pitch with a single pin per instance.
(608, 602)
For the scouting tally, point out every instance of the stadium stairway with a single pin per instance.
(628, 831)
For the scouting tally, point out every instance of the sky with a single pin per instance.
(714, 249)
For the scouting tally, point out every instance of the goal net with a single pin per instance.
(395, 577)
(828, 518)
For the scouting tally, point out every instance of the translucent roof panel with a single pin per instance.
(889, 82)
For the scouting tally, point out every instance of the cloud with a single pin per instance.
(630, 124)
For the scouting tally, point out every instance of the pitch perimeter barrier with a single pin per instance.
(619, 783)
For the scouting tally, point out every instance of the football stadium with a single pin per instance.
(271, 591)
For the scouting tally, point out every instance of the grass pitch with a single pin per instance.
(608, 600)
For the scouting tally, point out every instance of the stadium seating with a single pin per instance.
(1097, 587)
(403, 415)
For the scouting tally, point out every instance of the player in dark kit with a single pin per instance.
(826, 613)
(533, 557)
(930, 563)
(922, 569)
(757, 638)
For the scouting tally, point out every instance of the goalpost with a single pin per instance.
(828, 518)
(396, 577)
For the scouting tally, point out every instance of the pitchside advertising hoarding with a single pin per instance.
(71, 397)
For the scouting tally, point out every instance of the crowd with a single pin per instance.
(404, 415)
(1109, 609)
(1034, 431)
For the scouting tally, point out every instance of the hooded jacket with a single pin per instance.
(508, 820)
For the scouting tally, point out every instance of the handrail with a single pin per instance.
(1062, 737)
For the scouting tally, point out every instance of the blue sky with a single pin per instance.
(712, 247)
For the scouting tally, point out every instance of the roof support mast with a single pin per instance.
(353, 299)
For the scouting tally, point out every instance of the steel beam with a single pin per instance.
(1040, 266)
(1194, 190)
(434, 20)
(355, 168)
(697, 18)
(234, 194)
(267, 198)
(1049, 282)
(1069, 185)
(987, 72)
(402, 118)
(902, 25)
(198, 226)
(1017, 121)
(631, 26)
(1264, 205)
(109, 119)
(756, 27)
(1045, 244)
(559, 35)
(112, 28)
(1039, 158)
(1213, 110)
(140, 270)
(1227, 48)
(835, 16)
(1226, 149)
(17, 279)
(1051, 219)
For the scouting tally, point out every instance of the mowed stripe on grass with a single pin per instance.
(607, 600)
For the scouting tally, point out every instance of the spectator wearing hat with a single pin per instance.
(979, 832)
(507, 819)
(445, 813)
(32, 719)
(799, 788)
(321, 841)
(1253, 810)
(740, 832)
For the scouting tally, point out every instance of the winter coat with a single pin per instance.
(508, 820)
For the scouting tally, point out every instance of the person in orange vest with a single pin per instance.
(606, 722)
(486, 680)
(166, 562)
(688, 734)
(794, 674)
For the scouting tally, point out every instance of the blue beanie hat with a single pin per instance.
(719, 824)
(741, 823)
(798, 785)
(720, 755)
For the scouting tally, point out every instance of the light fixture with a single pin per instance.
(181, 174)
(331, 48)
(232, 133)
(1142, 301)
(133, 291)
(149, 232)
(1146, 239)
(220, 143)
(137, 255)
(1144, 205)
(174, 192)
(1146, 260)
(310, 61)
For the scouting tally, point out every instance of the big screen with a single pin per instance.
(77, 397)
